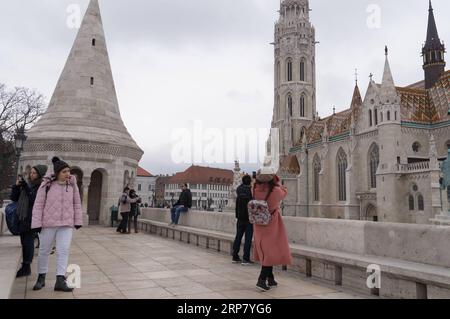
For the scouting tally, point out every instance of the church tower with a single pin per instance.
(295, 79)
(433, 53)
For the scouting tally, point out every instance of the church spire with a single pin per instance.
(432, 52)
(388, 91)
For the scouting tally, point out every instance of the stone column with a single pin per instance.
(84, 204)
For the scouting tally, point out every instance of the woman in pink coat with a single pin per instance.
(271, 246)
(56, 212)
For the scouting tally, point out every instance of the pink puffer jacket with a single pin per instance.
(60, 206)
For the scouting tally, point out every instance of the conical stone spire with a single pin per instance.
(388, 92)
(84, 105)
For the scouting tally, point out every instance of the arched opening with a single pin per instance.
(447, 145)
(95, 197)
(302, 71)
(341, 172)
(411, 202)
(375, 111)
(289, 105)
(374, 160)
(289, 70)
(126, 179)
(278, 73)
(388, 115)
(317, 168)
(78, 173)
(420, 203)
(371, 213)
(302, 105)
(278, 108)
(370, 118)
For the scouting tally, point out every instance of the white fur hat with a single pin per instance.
(266, 174)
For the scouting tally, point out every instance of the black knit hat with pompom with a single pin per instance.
(58, 165)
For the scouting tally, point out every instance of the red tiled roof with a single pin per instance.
(143, 173)
(203, 175)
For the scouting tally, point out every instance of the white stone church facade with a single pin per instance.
(379, 159)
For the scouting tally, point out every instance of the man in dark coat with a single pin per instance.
(24, 193)
(183, 204)
(244, 195)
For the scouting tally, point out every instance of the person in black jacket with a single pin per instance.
(24, 193)
(182, 206)
(244, 195)
(135, 211)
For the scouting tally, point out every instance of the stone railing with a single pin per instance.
(414, 259)
(413, 167)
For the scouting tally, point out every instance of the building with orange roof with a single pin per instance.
(210, 187)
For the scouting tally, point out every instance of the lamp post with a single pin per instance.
(19, 140)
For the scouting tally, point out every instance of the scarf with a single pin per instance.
(24, 201)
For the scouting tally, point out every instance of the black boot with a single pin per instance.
(271, 282)
(24, 271)
(40, 282)
(262, 285)
(61, 284)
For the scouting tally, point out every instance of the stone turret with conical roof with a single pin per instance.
(83, 125)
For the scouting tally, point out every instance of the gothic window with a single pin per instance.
(302, 133)
(289, 104)
(317, 169)
(381, 117)
(278, 73)
(341, 170)
(388, 115)
(278, 108)
(302, 71)
(302, 106)
(289, 70)
(396, 115)
(420, 203)
(374, 161)
(411, 202)
(376, 116)
(370, 118)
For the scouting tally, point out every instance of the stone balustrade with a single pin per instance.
(413, 167)
(414, 259)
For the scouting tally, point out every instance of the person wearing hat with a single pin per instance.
(24, 194)
(56, 212)
(271, 246)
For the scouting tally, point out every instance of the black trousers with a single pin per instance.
(133, 217)
(27, 241)
(266, 272)
(241, 229)
(124, 223)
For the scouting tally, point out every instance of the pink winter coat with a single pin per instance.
(271, 246)
(61, 206)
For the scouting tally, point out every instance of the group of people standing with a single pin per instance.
(129, 210)
(48, 205)
(270, 242)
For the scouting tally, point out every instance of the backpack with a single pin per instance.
(258, 212)
(12, 219)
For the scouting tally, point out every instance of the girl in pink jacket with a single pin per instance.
(56, 212)
(271, 246)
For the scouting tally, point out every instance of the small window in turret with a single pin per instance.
(388, 115)
(93, 42)
(92, 81)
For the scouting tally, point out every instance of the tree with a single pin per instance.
(19, 108)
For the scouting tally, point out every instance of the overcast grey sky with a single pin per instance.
(177, 61)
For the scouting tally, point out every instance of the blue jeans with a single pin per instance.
(175, 213)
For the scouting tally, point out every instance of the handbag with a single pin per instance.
(259, 213)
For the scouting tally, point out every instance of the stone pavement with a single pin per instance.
(142, 266)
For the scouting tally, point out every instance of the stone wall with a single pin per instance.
(415, 243)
